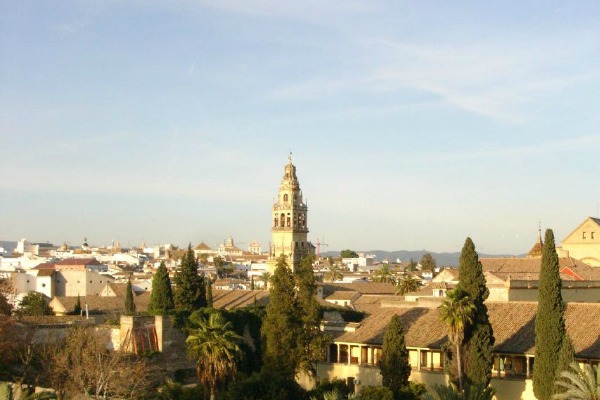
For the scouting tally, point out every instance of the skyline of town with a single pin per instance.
(412, 126)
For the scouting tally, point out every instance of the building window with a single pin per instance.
(592, 235)
(285, 198)
(43, 285)
(276, 223)
(584, 235)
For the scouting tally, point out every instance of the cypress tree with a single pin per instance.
(129, 303)
(190, 292)
(478, 343)
(549, 322)
(77, 306)
(281, 326)
(209, 298)
(161, 298)
(565, 358)
(395, 364)
(311, 342)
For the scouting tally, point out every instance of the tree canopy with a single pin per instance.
(34, 303)
(395, 364)
(347, 253)
(549, 323)
(190, 292)
(479, 338)
(427, 262)
(129, 302)
(161, 297)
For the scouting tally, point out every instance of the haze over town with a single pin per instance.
(412, 125)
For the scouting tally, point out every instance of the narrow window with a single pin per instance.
(584, 235)
(285, 198)
(592, 235)
(276, 223)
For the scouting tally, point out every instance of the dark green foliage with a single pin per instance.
(566, 357)
(376, 393)
(348, 314)
(161, 298)
(209, 297)
(129, 303)
(549, 322)
(348, 254)
(264, 386)
(77, 306)
(413, 391)
(478, 344)
(412, 265)
(470, 392)
(428, 263)
(291, 324)
(395, 365)
(34, 303)
(325, 385)
(190, 292)
(311, 342)
(175, 391)
(281, 325)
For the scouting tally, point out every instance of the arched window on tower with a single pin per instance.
(282, 220)
(285, 198)
(289, 220)
(276, 223)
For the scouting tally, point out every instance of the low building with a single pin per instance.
(583, 243)
(356, 350)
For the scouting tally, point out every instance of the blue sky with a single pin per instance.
(412, 124)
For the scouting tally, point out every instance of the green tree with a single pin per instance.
(129, 303)
(479, 336)
(311, 343)
(77, 306)
(34, 303)
(412, 265)
(395, 365)
(579, 383)
(214, 345)
(348, 254)
(281, 325)
(428, 263)
(565, 358)
(190, 292)
(549, 322)
(457, 311)
(408, 283)
(376, 393)
(334, 273)
(384, 274)
(470, 392)
(161, 297)
(209, 296)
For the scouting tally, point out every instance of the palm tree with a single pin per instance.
(408, 283)
(264, 278)
(456, 311)
(214, 346)
(334, 273)
(471, 392)
(384, 274)
(579, 383)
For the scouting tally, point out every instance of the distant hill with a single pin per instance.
(8, 246)
(442, 259)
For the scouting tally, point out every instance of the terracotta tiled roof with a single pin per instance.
(230, 299)
(45, 272)
(342, 295)
(513, 324)
(98, 304)
(364, 288)
(45, 265)
(370, 304)
(529, 268)
(78, 261)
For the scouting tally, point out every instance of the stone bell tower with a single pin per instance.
(289, 223)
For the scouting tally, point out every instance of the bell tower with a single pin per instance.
(289, 224)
